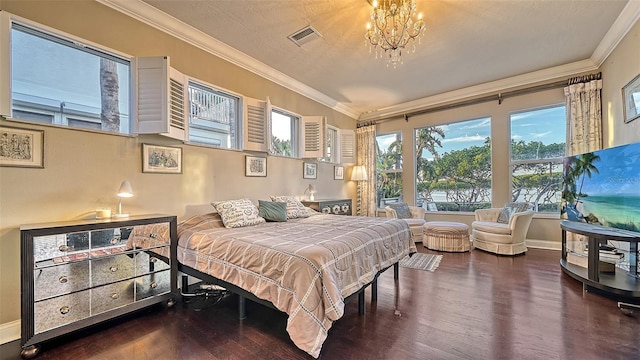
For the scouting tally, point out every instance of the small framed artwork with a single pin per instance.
(338, 173)
(255, 166)
(21, 147)
(309, 170)
(631, 100)
(161, 159)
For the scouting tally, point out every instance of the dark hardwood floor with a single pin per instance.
(474, 306)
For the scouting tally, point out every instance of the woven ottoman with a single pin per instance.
(446, 236)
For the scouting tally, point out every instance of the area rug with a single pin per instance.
(421, 261)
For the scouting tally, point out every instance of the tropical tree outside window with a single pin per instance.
(284, 127)
(388, 168)
(59, 81)
(213, 116)
(537, 151)
(453, 166)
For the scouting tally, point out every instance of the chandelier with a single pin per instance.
(392, 27)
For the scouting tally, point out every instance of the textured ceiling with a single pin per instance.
(466, 42)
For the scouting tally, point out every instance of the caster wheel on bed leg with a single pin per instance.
(30, 351)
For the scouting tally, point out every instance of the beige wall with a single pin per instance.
(83, 170)
(617, 70)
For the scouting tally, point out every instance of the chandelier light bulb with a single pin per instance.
(394, 23)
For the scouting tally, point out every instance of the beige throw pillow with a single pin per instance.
(237, 213)
(295, 209)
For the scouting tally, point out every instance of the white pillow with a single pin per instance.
(237, 213)
(295, 209)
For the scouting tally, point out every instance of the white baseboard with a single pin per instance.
(544, 244)
(9, 332)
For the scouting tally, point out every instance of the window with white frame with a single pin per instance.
(58, 80)
(453, 166)
(538, 139)
(331, 145)
(284, 133)
(388, 169)
(214, 116)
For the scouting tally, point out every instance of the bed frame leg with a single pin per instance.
(241, 307)
(396, 271)
(374, 290)
(361, 302)
(185, 285)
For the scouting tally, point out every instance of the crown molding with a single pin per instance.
(625, 21)
(149, 15)
(482, 89)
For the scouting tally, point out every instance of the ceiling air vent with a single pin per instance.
(304, 36)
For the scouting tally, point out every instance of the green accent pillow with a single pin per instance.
(402, 210)
(272, 210)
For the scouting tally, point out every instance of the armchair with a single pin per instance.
(506, 239)
(415, 222)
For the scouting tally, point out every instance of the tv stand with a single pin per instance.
(621, 285)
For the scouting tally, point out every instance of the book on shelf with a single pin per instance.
(606, 254)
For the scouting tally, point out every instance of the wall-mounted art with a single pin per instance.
(255, 166)
(161, 159)
(309, 171)
(21, 147)
(631, 100)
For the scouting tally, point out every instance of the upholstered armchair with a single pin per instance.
(501, 238)
(415, 222)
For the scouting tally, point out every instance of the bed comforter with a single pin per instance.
(305, 267)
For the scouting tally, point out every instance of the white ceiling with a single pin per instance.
(470, 47)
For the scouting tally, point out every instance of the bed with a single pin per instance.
(305, 267)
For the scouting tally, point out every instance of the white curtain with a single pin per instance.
(584, 117)
(366, 155)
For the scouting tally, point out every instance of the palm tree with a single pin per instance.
(585, 167)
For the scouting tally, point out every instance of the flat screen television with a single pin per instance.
(603, 187)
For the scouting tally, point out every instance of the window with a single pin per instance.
(284, 130)
(213, 116)
(537, 150)
(453, 166)
(388, 169)
(60, 81)
(332, 145)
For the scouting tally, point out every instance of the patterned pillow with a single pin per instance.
(295, 209)
(511, 208)
(272, 211)
(402, 210)
(237, 213)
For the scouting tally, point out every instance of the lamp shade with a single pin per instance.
(125, 190)
(311, 189)
(359, 173)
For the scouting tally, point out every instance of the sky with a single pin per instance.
(546, 125)
(618, 172)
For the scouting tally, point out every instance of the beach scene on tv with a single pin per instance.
(603, 187)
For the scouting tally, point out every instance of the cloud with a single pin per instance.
(540, 135)
(466, 138)
(484, 123)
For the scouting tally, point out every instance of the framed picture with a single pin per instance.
(255, 166)
(161, 159)
(631, 100)
(309, 171)
(338, 173)
(21, 147)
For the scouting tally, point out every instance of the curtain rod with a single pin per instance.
(495, 97)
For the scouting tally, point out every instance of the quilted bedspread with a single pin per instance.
(305, 267)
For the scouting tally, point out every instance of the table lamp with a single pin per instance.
(312, 191)
(125, 191)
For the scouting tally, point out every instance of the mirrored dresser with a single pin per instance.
(79, 273)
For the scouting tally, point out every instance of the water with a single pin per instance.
(614, 211)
